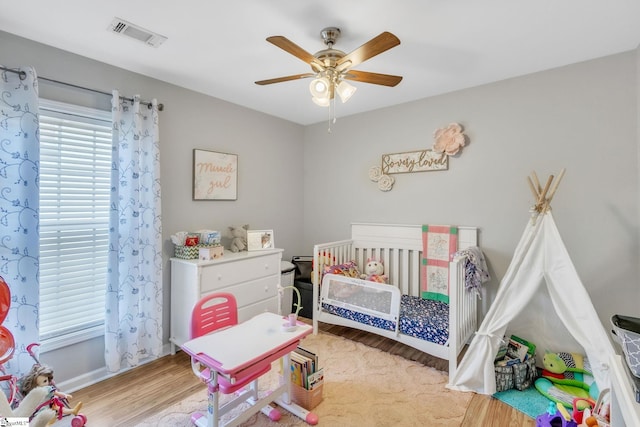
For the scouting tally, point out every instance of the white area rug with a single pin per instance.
(363, 386)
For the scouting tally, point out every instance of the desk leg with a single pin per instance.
(211, 419)
(297, 410)
(212, 409)
(286, 365)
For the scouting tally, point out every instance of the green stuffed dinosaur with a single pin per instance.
(566, 376)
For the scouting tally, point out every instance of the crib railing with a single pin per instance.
(401, 265)
(325, 255)
(463, 317)
(400, 249)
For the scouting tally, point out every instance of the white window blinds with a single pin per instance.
(75, 169)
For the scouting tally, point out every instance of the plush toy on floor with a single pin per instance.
(374, 271)
(556, 416)
(566, 376)
(238, 238)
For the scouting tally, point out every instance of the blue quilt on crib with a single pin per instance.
(424, 319)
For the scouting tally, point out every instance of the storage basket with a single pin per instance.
(627, 330)
(190, 252)
(519, 375)
(308, 399)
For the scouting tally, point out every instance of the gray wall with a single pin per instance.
(269, 152)
(583, 117)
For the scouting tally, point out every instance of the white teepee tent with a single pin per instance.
(556, 317)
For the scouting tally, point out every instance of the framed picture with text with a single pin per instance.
(215, 175)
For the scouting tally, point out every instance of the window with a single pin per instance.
(75, 170)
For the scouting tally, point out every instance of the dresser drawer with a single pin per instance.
(249, 311)
(215, 277)
(252, 277)
(253, 291)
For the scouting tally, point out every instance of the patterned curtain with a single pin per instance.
(134, 293)
(19, 205)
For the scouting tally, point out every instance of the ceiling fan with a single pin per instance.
(332, 67)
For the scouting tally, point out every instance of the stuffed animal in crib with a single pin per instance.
(238, 238)
(374, 271)
(325, 259)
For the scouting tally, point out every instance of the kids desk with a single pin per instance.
(249, 346)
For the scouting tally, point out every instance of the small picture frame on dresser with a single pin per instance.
(260, 240)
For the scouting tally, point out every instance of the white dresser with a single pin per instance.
(252, 277)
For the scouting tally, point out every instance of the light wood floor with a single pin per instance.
(131, 397)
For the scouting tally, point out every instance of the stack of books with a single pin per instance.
(515, 350)
(307, 378)
(305, 371)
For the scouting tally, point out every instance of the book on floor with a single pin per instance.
(304, 369)
(517, 350)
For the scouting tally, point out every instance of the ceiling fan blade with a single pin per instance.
(374, 78)
(373, 47)
(295, 50)
(284, 79)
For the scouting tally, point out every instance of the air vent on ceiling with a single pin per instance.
(120, 26)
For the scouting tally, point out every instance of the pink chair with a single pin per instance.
(212, 313)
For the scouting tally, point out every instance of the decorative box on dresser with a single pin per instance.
(252, 277)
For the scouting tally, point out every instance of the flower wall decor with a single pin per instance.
(385, 182)
(449, 141)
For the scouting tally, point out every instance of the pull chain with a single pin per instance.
(332, 113)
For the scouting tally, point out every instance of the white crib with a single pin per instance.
(400, 248)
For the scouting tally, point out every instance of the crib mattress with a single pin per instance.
(424, 319)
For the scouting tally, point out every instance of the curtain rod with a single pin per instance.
(23, 75)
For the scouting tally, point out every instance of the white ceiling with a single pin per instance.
(219, 48)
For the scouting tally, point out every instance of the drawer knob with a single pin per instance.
(219, 276)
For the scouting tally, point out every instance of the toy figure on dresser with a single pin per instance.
(41, 377)
(238, 238)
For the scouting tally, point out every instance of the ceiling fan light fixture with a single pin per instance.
(331, 66)
(319, 87)
(345, 91)
(322, 102)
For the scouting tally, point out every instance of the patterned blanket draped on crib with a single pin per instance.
(440, 243)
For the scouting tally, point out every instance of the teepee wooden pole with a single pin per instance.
(543, 195)
(536, 182)
(533, 188)
(556, 184)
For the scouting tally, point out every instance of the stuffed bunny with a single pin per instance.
(238, 238)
